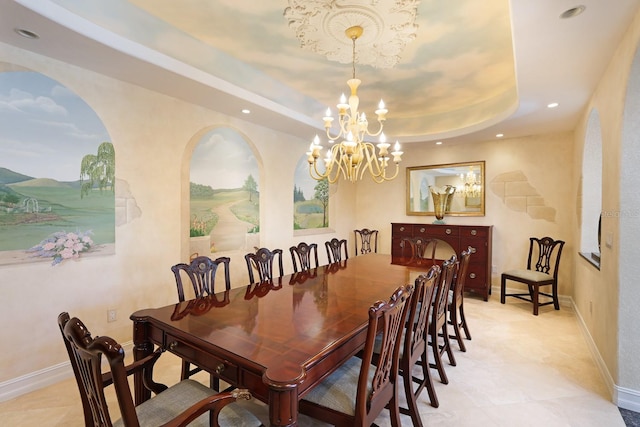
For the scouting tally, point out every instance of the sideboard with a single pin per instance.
(459, 237)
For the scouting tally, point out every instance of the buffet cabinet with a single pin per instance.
(459, 237)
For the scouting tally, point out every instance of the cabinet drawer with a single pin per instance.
(468, 231)
(401, 229)
(225, 369)
(436, 231)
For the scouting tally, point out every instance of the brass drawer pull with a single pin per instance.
(220, 368)
(173, 345)
(474, 232)
(472, 275)
(401, 228)
(422, 230)
(448, 231)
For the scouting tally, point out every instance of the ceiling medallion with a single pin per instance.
(388, 26)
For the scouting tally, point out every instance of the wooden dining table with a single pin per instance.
(277, 339)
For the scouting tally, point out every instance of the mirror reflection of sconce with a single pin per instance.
(467, 178)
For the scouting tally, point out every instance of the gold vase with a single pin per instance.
(441, 201)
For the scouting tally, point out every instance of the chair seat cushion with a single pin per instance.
(171, 402)
(529, 275)
(338, 391)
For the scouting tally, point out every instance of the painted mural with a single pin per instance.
(57, 173)
(224, 194)
(310, 199)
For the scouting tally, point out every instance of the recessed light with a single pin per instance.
(499, 135)
(439, 143)
(573, 12)
(26, 33)
(552, 105)
(246, 111)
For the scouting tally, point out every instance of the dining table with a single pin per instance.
(278, 338)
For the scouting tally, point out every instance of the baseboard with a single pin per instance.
(45, 377)
(627, 398)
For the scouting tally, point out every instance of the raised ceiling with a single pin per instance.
(461, 70)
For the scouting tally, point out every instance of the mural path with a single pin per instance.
(229, 234)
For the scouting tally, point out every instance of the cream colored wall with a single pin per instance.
(153, 136)
(612, 328)
(545, 161)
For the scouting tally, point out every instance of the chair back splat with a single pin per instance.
(364, 237)
(336, 250)
(201, 272)
(456, 300)
(416, 247)
(543, 263)
(304, 254)
(374, 386)
(262, 261)
(179, 405)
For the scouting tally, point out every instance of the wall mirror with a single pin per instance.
(466, 178)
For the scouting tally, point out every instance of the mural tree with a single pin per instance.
(322, 195)
(98, 170)
(250, 185)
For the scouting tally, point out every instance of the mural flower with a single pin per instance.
(62, 245)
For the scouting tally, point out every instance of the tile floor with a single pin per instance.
(519, 370)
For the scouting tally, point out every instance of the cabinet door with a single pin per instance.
(398, 231)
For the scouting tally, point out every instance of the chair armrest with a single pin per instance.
(213, 403)
(146, 366)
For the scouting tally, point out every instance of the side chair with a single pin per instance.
(542, 270)
(187, 402)
(262, 261)
(414, 346)
(456, 299)
(304, 253)
(358, 391)
(201, 273)
(438, 323)
(364, 237)
(336, 250)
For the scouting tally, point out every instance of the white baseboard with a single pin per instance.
(45, 377)
(625, 398)
(34, 381)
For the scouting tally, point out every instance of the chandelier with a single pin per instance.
(354, 156)
(471, 185)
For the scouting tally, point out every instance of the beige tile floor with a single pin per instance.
(519, 370)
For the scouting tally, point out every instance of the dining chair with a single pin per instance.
(187, 402)
(457, 320)
(542, 270)
(304, 253)
(336, 250)
(438, 324)
(358, 391)
(364, 237)
(413, 351)
(417, 248)
(262, 261)
(201, 273)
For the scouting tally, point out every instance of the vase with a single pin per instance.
(441, 201)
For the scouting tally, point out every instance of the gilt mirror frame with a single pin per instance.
(468, 179)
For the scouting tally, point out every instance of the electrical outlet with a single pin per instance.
(494, 269)
(112, 315)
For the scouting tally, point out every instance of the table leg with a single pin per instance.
(142, 347)
(283, 407)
